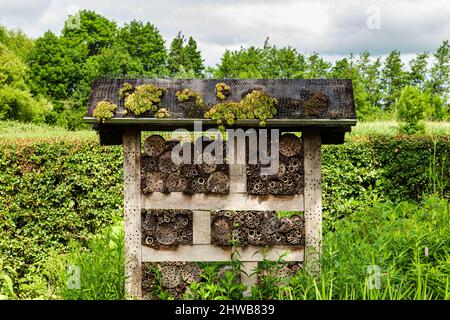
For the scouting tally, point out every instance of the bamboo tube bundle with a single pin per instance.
(159, 173)
(257, 228)
(290, 174)
(166, 228)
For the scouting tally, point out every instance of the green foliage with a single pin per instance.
(144, 43)
(20, 105)
(255, 105)
(92, 30)
(393, 79)
(392, 237)
(50, 194)
(17, 41)
(56, 66)
(396, 168)
(145, 98)
(186, 57)
(266, 62)
(104, 110)
(411, 108)
(101, 266)
(114, 61)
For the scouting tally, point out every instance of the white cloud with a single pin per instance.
(333, 28)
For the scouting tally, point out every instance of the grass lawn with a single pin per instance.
(13, 130)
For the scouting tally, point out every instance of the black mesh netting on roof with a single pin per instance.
(297, 98)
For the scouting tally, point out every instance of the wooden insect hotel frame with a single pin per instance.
(320, 111)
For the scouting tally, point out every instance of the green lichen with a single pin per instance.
(104, 110)
(145, 98)
(255, 105)
(222, 91)
(125, 91)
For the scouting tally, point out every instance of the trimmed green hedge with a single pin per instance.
(52, 192)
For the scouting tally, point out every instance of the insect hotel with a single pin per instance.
(178, 214)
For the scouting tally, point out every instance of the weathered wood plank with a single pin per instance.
(132, 212)
(313, 196)
(208, 253)
(232, 201)
(201, 227)
(248, 277)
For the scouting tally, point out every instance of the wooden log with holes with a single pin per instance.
(132, 211)
(312, 197)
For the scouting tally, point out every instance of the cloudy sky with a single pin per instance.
(332, 28)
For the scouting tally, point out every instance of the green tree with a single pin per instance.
(17, 41)
(369, 72)
(56, 66)
(418, 70)
(91, 29)
(185, 56)
(411, 107)
(317, 67)
(440, 71)
(242, 63)
(16, 102)
(282, 63)
(144, 42)
(392, 79)
(347, 68)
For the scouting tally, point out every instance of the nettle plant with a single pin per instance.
(104, 110)
(144, 98)
(255, 105)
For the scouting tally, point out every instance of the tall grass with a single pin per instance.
(410, 244)
(99, 269)
(390, 127)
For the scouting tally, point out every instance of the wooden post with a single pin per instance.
(132, 212)
(313, 196)
(248, 278)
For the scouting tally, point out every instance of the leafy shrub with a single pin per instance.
(411, 108)
(50, 194)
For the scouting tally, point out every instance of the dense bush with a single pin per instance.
(55, 192)
(51, 193)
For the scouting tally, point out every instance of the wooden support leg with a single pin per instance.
(132, 212)
(313, 196)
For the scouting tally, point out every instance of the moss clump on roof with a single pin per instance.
(144, 98)
(125, 91)
(162, 113)
(255, 105)
(316, 104)
(190, 95)
(104, 110)
(222, 91)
